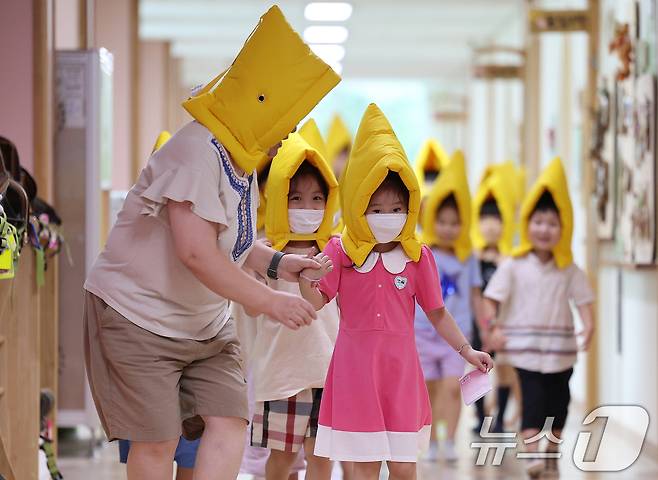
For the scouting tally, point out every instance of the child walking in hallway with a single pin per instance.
(445, 227)
(494, 206)
(534, 329)
(289, 367)
(375, 405)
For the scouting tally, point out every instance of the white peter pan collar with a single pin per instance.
(394, 261)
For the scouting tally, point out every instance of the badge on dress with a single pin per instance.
(400, 282)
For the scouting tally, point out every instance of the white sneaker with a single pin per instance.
(432, 455)
(448, 451)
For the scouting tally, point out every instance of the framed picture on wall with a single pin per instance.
(603, 155)
(625, 159)
(642, 202)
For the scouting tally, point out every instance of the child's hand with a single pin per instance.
(265, 242)
(480, 360)
(586, 334)
(496, 340)
(316, 274)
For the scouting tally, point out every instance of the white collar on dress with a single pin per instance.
(394, 261)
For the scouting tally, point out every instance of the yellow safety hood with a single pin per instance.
(292, 154)
(273, 83)
(515, 177)
(554, 180)
(432, 157)
(161, 140)
(451, 181)
(311, 133)
(499, 183)
(338, 138)
(375, 153)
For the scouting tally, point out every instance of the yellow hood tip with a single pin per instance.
(161, 140)
(338, 138)
(273, 83)
(432, 157)
(497, 183)
(295, 151)
(453, 181)
(376, 152)
(511, 173)
(311, 133)
(554, 180)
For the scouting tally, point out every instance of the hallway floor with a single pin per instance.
(105, 465)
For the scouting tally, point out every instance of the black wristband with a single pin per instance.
(273, 269)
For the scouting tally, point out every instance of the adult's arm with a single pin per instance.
(195, 242)
(289, 268)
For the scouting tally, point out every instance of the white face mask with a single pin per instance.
(386, 226)
(304, 221)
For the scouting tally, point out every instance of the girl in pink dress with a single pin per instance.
(375, 405)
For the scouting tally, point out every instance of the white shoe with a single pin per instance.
(448, 452)
(432, 455)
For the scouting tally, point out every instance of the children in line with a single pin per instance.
(445, 227)
(494, 206)
(534, 328)
(289, 367)
(375, 404)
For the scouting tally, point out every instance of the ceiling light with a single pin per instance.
(328, 12)
(328, 52)
(325, 34)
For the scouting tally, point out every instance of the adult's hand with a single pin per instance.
(290, 310)
(291, 266)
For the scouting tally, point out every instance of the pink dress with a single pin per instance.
(375, 404)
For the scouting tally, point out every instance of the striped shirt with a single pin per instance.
(535, 312)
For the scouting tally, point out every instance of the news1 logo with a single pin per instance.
(610, 452)
(603, 449)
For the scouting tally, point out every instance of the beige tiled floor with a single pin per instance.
(105, 466)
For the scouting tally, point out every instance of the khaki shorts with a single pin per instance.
(150, 388)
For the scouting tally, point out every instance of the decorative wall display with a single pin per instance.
(622, 45)
(625, 151)
(635, 136)
(641, 201)
(603, 155)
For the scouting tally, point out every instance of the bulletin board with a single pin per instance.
(624, 141)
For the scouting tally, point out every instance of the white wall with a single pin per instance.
(630, 374)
